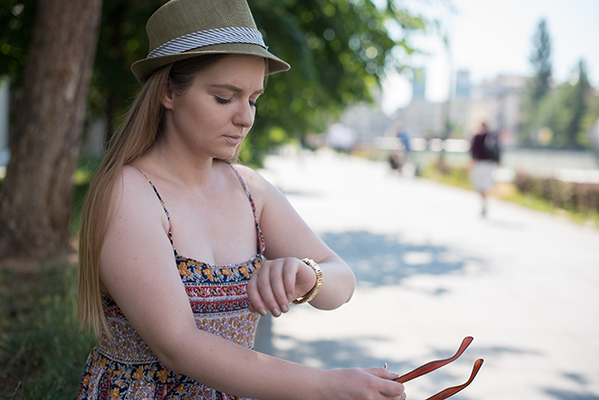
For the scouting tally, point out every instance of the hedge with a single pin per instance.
(582, 197)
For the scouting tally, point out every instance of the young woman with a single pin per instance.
(181, 251)
(484, 150)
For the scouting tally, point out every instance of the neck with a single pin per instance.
(179, 166)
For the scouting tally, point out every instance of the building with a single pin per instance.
(498, 101)
(495, 101)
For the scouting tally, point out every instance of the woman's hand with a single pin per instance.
(362, 384)
(277, 283)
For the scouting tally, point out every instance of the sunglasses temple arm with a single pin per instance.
(433, 365)
(453, 390)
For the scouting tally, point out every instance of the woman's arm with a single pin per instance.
(284, 277)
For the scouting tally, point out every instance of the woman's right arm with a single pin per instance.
(138, 268)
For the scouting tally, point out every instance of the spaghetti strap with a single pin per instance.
(261, 244)
(168, 218)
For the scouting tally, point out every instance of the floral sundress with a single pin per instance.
(124, 367)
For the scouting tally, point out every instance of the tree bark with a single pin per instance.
(36, 197)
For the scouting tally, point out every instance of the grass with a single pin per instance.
(459, 177)
(42, 352)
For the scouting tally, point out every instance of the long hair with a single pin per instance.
(139, 131)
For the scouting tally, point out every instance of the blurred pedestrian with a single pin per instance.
(399, 155)
(485, 153)
(166, 196)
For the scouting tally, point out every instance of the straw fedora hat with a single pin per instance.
(182, 29)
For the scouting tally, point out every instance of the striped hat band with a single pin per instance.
(209, 37)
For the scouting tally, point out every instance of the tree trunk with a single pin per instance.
(36, 197)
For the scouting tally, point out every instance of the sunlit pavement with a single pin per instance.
(431, 271)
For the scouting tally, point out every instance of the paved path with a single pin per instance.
(430, 271)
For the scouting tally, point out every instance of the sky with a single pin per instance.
(492, 37)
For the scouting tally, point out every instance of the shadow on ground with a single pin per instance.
(384, 260)
(583, 394)
(570, 395)
(330, 354)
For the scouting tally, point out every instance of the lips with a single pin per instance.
(233, 139)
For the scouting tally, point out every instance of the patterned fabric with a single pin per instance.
(124, 367)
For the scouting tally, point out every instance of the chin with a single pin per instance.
(228, 155)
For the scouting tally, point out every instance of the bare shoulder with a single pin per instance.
(133, 195)
(128, 186)
(259, 187)
(137, 224)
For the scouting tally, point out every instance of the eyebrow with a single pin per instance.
(235, 88)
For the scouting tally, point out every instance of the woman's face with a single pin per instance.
(216, 113)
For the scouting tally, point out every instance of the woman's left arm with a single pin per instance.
(284, 277)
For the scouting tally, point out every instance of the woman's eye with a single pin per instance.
(220, 100)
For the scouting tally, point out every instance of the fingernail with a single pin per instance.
(289, 297)
(275, 312)
(284, 308)
(262, 312)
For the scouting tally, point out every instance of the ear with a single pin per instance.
(168, 97)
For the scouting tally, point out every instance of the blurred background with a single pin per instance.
(370, 79)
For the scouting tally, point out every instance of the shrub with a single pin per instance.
(579, 197)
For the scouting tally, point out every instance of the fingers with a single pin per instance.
(393, 390)
(388, 388)
(382, 373)
(271, 287)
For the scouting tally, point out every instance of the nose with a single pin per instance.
(245, 114)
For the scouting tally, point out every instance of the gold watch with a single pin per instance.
(316, 288)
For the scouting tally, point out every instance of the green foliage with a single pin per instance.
(554, 117)
(42, 351)
(562, 113)
(547, 116)
(540, 60)
(538, 86)
(576, 105)
(456, 176)
(122, 41)
(590, 119)
(83, 176)
(16, 20)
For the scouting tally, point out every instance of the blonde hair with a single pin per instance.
(140, 130)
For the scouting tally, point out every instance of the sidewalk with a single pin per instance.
(430, 271)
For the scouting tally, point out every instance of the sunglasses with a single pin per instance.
(433, 365)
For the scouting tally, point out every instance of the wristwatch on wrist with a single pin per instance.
(316, 288)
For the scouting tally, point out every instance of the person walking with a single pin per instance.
(485, 153)
(182, 250)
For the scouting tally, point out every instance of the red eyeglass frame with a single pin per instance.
(433, 365)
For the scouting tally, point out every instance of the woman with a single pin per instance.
(484, 151)
(172, 326)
